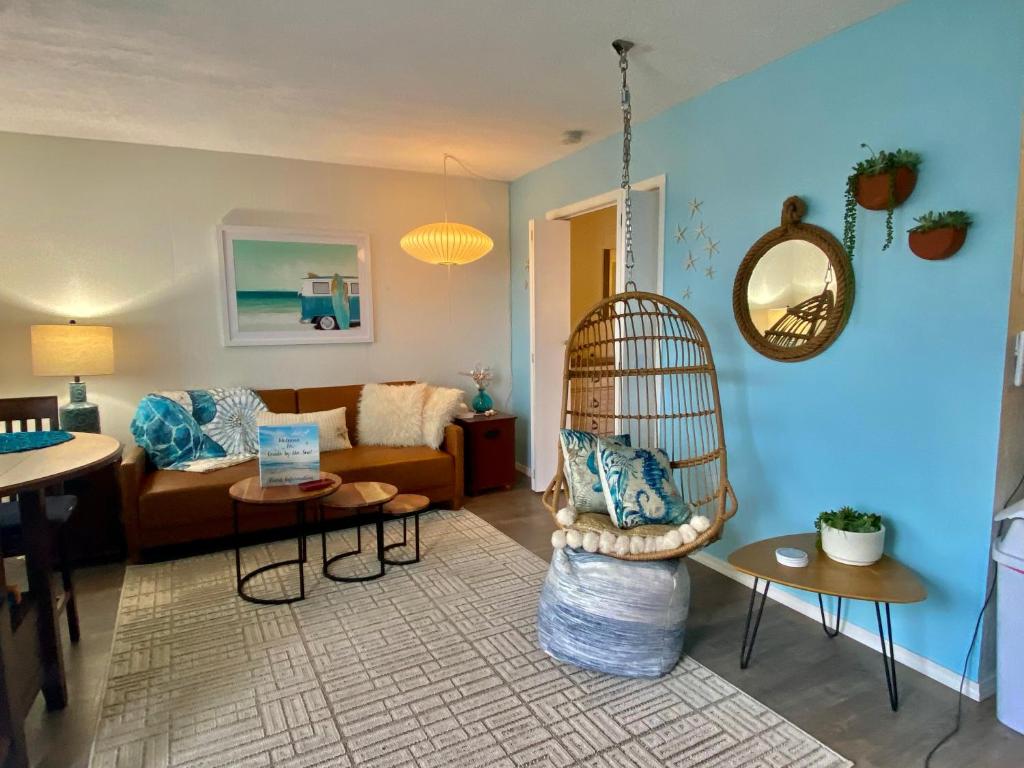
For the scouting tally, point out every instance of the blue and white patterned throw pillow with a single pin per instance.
(580, 469)
(232, 424)
(638, 486)
(169, 433)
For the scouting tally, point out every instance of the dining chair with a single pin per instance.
(23, 414)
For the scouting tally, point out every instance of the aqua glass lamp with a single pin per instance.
(74, 350)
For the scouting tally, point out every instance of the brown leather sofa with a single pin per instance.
(162, 507)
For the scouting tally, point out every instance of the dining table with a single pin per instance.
(28, 475)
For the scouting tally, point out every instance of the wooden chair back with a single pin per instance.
(28, 414)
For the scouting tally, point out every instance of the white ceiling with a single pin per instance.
(391, 83)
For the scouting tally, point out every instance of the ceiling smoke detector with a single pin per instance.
(575, 136)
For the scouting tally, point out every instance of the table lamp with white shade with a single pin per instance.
(74, 350)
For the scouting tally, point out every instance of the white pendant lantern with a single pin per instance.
(447, 242)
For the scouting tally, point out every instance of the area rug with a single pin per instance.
(434, 665)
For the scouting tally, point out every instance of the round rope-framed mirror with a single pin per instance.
(794, 289)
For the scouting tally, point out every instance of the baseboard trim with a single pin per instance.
(523, 469)
(974, 690)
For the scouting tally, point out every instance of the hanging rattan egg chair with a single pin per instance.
(640, 364)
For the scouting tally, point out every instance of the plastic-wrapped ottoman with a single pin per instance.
(617, 616)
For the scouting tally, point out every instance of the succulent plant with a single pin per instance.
(932, 220)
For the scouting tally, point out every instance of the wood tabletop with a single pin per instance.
(480, 418)
(360, 495)
(406, 504)
(251, 492)
(887, 581)
(49, 466)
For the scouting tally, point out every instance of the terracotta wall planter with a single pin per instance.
(873, 191)
(937, 244)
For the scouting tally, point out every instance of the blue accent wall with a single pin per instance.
(900, 416)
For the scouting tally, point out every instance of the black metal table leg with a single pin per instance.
(748, 637)
(299, 560)
(888, 658)
(830, 631)
(377, 518)
(405, 541)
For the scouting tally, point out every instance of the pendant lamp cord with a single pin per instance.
(622, 47)
(444, 194)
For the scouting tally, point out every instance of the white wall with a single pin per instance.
(125, 235)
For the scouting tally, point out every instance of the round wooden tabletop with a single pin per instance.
(249, 491)
(406, 504)
(360, 495)
(48, 466)
(887, 581)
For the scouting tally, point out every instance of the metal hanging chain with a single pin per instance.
(622, 47)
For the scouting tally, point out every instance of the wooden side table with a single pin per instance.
(885, 582)
(249, 491)
(490, 451)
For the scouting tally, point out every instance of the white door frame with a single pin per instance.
(615, 197)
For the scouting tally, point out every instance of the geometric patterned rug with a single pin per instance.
(434, 665)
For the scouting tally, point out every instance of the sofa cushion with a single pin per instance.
(406, 468)
(170, 499)
(279, 400)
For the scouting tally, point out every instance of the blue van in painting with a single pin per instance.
(330, 303)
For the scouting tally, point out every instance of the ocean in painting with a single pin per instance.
(270, 311)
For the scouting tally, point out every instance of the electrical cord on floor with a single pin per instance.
(970, 650)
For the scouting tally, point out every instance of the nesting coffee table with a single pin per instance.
(249, 491)
(366, 501)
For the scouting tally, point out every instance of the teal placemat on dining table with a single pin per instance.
(15, 442)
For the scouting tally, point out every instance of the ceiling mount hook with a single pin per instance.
(622, 46)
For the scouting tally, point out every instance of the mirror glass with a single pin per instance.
(791, 293)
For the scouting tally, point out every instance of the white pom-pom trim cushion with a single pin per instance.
(699, 523)
(608, 543)
(566, 516)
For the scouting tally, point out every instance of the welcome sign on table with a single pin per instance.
(289, 454)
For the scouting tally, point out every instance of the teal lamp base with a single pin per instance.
(79, 415)
(482, 402)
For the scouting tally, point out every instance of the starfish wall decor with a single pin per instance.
(691, 235)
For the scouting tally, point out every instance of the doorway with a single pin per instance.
(575, 261)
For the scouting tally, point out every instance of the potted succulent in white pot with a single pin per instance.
(851, 537)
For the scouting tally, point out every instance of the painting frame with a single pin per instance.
(307, 330)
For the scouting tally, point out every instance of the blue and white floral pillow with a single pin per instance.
(638, 486)
(580, 469)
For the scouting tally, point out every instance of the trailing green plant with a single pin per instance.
(876, 163)
(932, 220)
(848, 519)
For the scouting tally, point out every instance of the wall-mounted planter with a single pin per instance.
(937, 244)
(873, 190)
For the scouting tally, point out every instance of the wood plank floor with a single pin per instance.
(833, 689)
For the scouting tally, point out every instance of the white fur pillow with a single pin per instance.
(333, 430)
(391, 414)
(440, 406)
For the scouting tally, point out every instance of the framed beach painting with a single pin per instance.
(284, 286)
